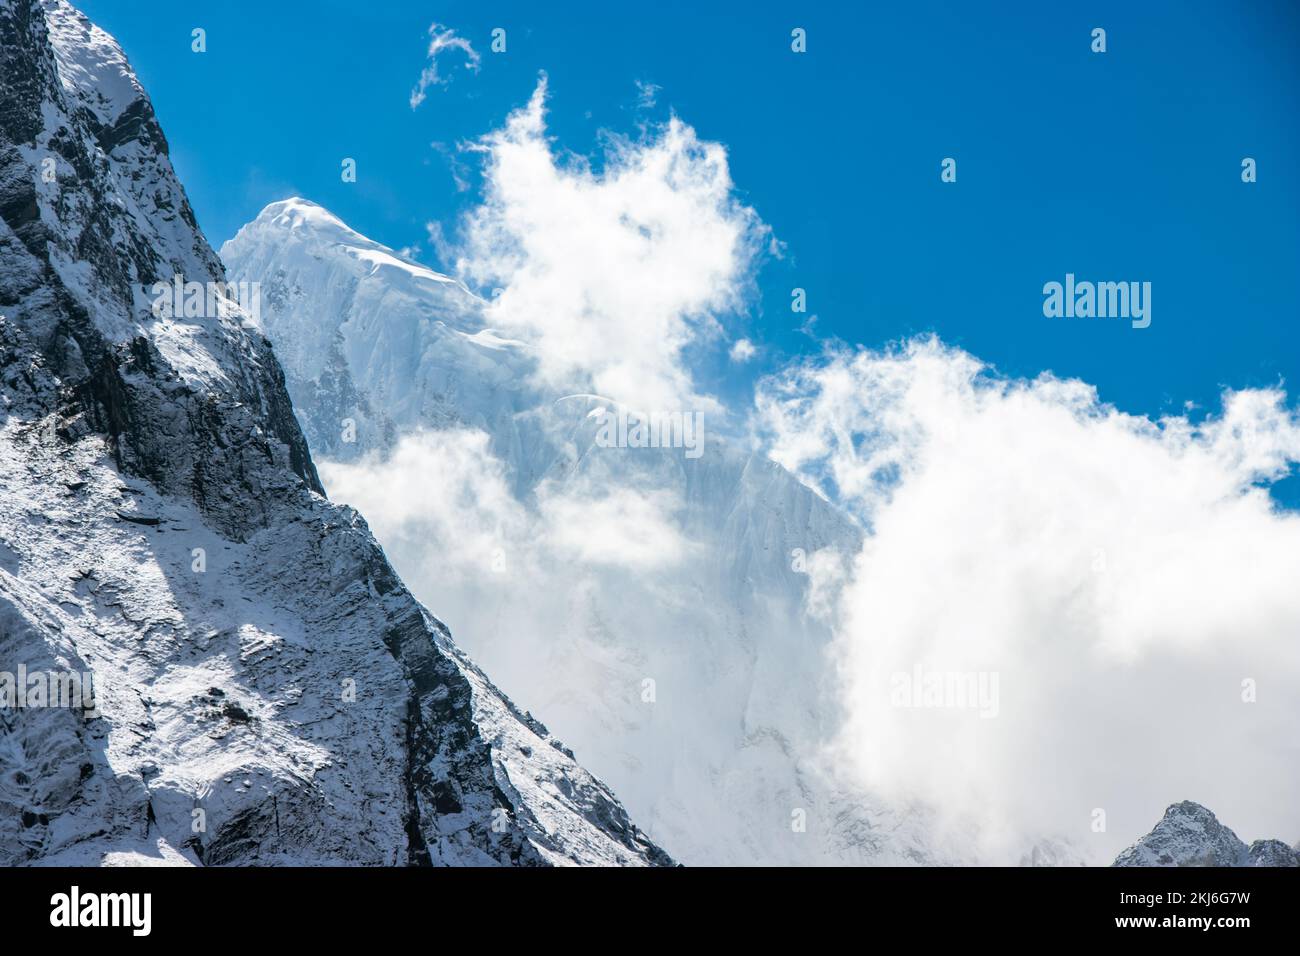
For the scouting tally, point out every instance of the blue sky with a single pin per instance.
(1116, 166)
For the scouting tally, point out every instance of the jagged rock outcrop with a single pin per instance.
(1190, 835)
(265, 689)
(1272, 853)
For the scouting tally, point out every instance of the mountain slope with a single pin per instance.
(266, 689)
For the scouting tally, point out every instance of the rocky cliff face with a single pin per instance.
(265, 688)
(1190, 835)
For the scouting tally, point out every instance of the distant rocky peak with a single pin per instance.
(1190, 835)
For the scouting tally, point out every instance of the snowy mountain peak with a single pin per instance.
(370, 341)
(296, 212)
(1190, 835)
(312, 223)
(301, 221)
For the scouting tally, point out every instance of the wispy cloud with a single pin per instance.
(441, 40)
(457, 166)
(647, 94)
(445, 253)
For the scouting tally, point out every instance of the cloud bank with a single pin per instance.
(1128, 581)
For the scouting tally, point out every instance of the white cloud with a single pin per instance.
(742, 350)
(612, 274)
(620, 527)
(472, 516)
(475, 513)
(441, 40)
(1121, 576)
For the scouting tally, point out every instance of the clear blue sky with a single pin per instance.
(1117, 166)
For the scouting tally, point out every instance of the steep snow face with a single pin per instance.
(265, 688)
(364, 335)
(1190, 835)
(695, 683)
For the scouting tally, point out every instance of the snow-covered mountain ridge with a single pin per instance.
(266, 688)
